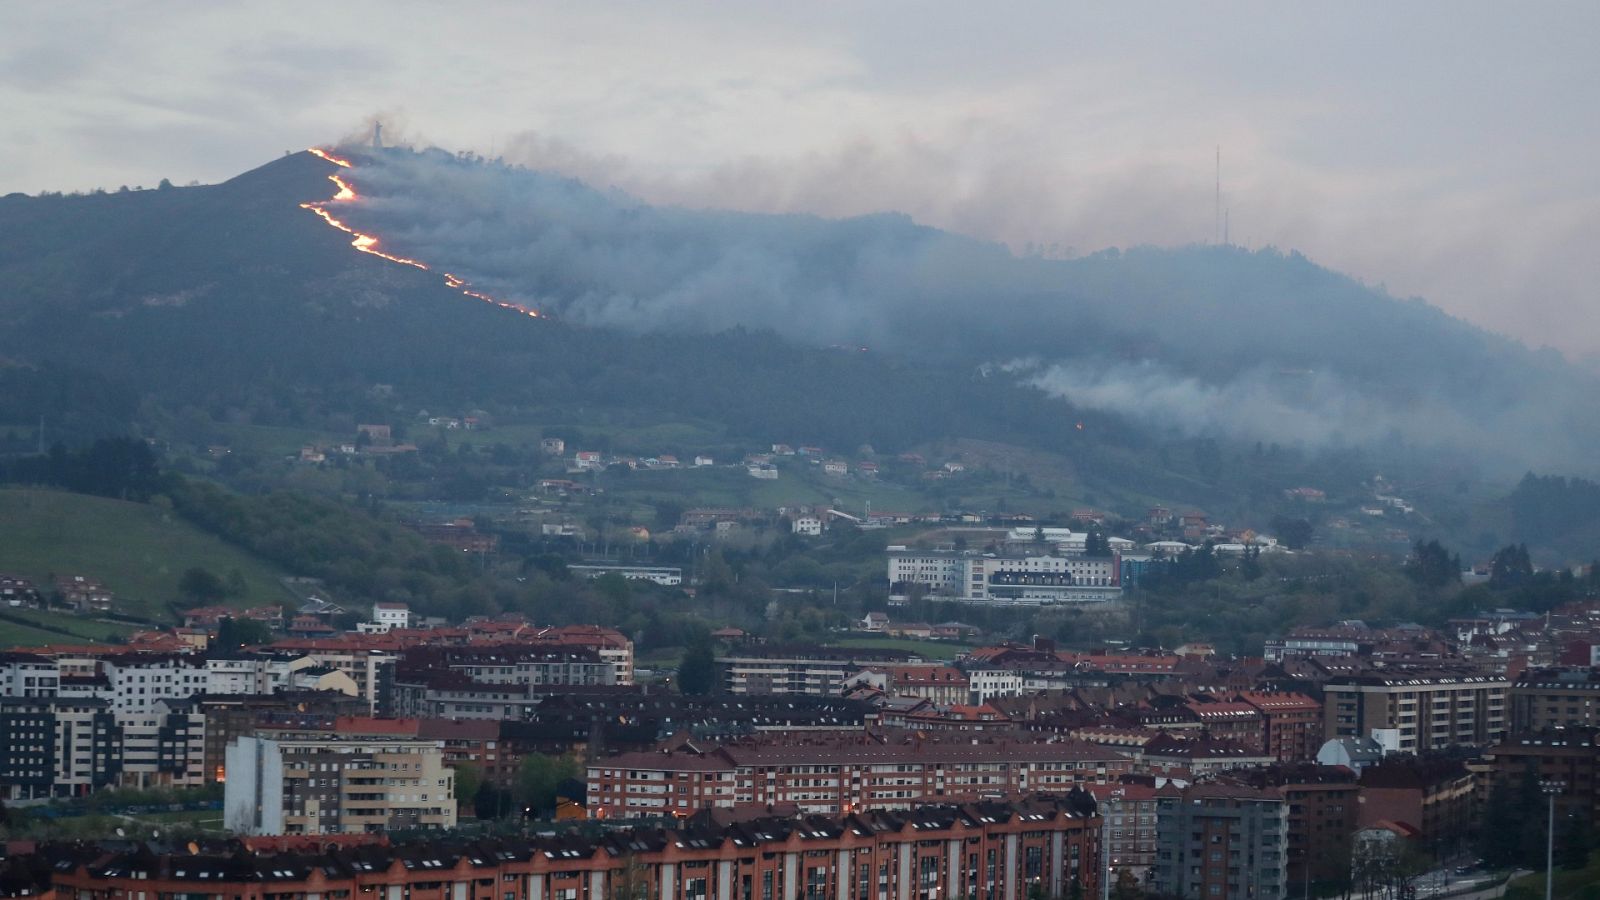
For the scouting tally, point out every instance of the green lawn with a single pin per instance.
(925, 649)
(1582, 884)
(137, 550)
(81, 629)
(14, 635)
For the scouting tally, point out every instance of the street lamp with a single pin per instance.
(1551, 789)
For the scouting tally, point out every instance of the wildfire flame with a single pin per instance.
(368, 243)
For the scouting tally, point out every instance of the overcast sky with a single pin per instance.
(1446, 150)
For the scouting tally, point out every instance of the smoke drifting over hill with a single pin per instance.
(1203, 340)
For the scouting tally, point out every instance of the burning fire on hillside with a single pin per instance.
(368, 243)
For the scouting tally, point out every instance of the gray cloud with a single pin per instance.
(1441, 148)
(1199, 340)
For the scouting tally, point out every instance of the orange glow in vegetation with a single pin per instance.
(318, 151)
(368, 243)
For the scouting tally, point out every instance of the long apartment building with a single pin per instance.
(1415, 711)
(316, 783)
(800, 669)
(997, 851)
(1023, 580)
(1556, 698)
(836, 776)
(1221, 841)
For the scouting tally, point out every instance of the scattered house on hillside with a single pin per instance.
(316, 606)
(875, 622)
(782, 450)
(561, 487)
(701, 462)
(459, 534)
(810, 526)
(836, 467)
(954, 467)
(667, 461)
(375, 435)
(310, 627)
(312, 454)
(915, 459)
(561, 529)
(388, 615)
(552, 446)
(867, 469)
(585, 460)
(953, 631)
(811, 452)
(84, 594)
(1308, 494)
(18, 591)
(763, 471)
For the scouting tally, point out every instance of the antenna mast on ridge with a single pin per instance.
(377, 136)
(1216, 226)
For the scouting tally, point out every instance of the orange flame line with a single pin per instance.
(318, 151)
(368, 243)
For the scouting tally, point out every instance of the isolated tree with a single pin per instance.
(201, 585)
(469, 780)
(1295, 533)
(1431, 565)
(1095, 543)
(1510, 567)
(697, 673)
(538, 778)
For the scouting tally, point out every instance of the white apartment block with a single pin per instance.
(986, 684)
(1022, 580)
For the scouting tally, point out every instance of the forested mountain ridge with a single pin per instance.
(230, 303)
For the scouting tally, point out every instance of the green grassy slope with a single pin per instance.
(139, 551)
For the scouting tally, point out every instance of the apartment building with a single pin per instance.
(818, 671)
(230, 716)
(1435, 795)
(336, 783)
(1223, 841)
(1556, 698)
(1324, 805)
(1129, 811)
(1292, 723)
(1570, 756)
(835, 776)
(1019, 579)
(28, 675)
(56, 747)
(992, 850)
(935, 683)
(164, 746)
(1425, 710)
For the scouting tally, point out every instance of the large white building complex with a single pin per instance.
(988, 578)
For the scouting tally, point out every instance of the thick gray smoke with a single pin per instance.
(1202, 340)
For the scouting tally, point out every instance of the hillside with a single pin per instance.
(137, 550)
(1211, 377)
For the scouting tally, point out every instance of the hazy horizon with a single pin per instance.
(1441, 150)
